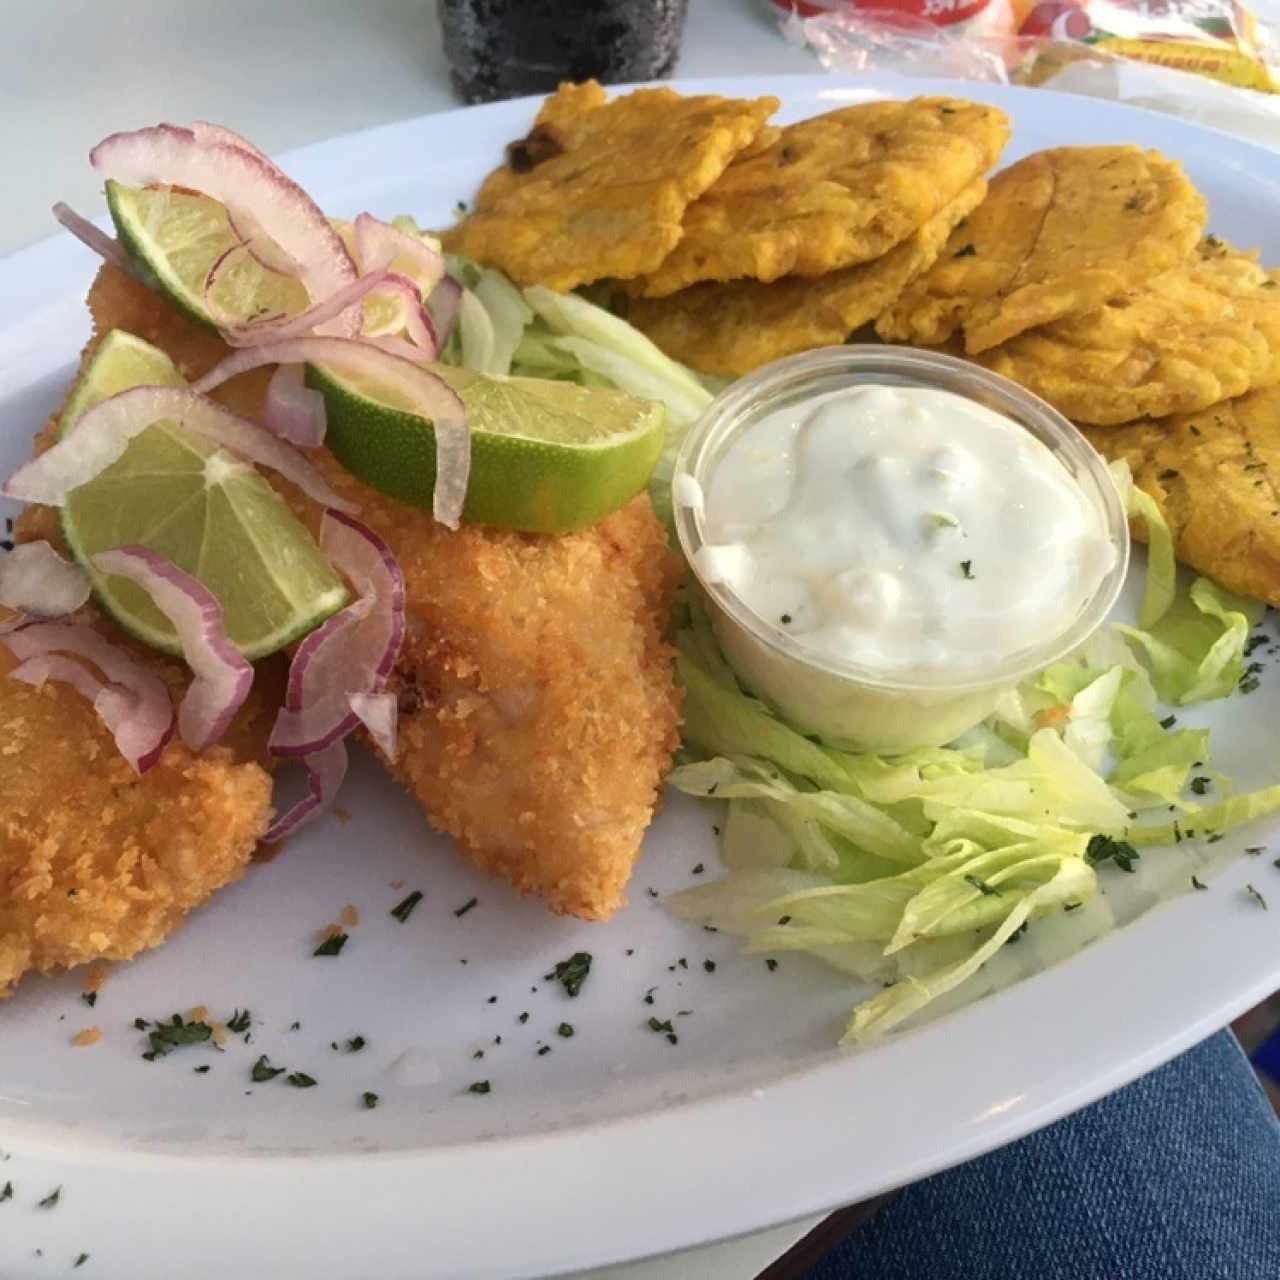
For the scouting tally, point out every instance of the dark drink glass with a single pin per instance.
(506, 48)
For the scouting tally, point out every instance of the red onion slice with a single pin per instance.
(102, 435)
(326, 769)
(379, 244)
(442, 305)
(105, 246)
(396, 346)
(141, 719)
(353, 652)
(411, 315)
(282, 328)
(292, 410)
(379, 713)
(430, 396)
(267, 204)
(35, 579)
(224, 319)
(56, 666)
(223, 677)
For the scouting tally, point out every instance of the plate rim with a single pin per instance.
(793, 1164)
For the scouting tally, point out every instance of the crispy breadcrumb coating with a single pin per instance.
(97, 861)
(538, 711)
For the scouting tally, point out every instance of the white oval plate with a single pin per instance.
(615, 1144)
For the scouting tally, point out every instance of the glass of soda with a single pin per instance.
(506, 48)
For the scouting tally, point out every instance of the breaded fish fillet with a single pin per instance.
(538, 706)
(96, 861)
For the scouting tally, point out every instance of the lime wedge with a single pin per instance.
(210, 513)
(174, 237)
(546, 457)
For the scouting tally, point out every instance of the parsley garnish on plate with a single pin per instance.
(332, 945)
(966, 568)
(1199, 785)
(404, 908)
(1104, 848)
(1196, 883)
(965, 251)
(262, 1070)
(1256, 896)
(167, 1036)
(241, 1020)
(987, 891)
(6, 1192)
(466, 906)
(571, 973)
(89, 997)
(356, 1043)
(565, 1029)
(771, 964)
(663, 1027)
(51, 1200)
(79, 1262)
(300, 1080)
(370, 1100)
(480, 1086)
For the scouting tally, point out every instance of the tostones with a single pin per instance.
(837, 190)
(1199, 334)
(599, 187)
(1216, 476)
(1061, 232)
(732, 328)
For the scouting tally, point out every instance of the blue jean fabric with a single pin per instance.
(1176, 1177)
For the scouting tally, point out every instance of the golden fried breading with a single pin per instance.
(730, 329)
(537, 710)
(833, 191)
(1196, 335)
(1216, 477)
(96, 861)
(538, 706)
(600, 188)
(1061, 232)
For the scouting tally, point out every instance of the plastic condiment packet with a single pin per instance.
(856, 40)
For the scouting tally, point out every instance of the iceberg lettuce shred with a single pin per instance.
(538, 333)
(914, 871)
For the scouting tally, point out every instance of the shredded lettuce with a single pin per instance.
(916, 870)
(539, 333)
(1196, 650)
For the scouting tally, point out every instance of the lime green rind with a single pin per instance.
(112, 504)
(563, 487)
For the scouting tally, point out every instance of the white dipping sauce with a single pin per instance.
(905, 529)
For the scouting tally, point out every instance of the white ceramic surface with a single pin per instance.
(615, 1144)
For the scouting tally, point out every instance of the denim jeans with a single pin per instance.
(1176, 1177)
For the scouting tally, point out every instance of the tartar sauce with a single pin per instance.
(905, 529)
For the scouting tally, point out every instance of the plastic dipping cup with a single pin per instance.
(506, 48)
(846, 703)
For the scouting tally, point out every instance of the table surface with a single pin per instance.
(285, 74)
